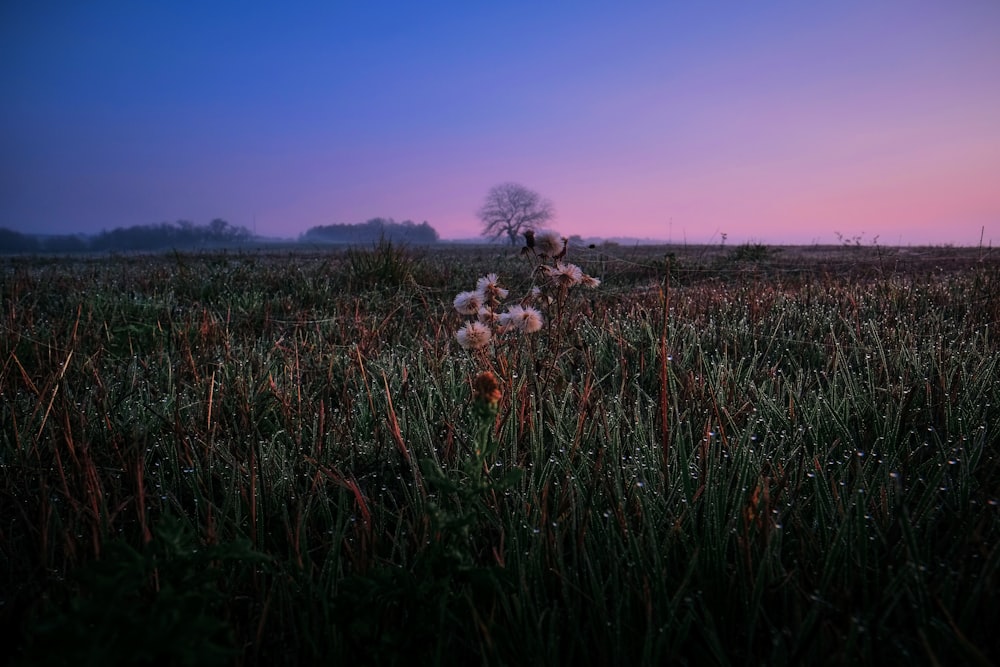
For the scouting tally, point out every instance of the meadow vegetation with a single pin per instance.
(717, 456)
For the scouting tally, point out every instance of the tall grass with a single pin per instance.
(265, 459)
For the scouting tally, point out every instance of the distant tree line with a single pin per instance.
(216, 234)
(371, 231)
(166, 235)
(162, 236)
(11, 241)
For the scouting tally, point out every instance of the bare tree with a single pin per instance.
(513, 209)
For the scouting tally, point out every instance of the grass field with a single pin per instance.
(745, 455)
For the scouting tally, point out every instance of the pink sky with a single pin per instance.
(782, 123)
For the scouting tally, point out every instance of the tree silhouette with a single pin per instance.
(512, 209)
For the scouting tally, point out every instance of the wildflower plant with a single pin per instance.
(501, 332)
(486, 301)
(464, 506)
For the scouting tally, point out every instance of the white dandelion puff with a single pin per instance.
(468, 303)
(523, 318)
(488, 315)
(489, 287)
(548, 244)
(474, 335)
(565, 274)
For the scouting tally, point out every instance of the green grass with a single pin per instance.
(751, 456)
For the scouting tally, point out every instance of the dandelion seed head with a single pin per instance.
(565, 274)
(468, 303)
(474, 336)
(531, 320)
(548, 244)
(590, 281)
(489, 287)
(488, 315)
(510, 314)
(523, 318)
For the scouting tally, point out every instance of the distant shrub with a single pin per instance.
(383, 264)
(372, 231)
(750, 252)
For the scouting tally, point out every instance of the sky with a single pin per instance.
(773, 122)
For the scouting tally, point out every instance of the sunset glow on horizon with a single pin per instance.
(784, 124)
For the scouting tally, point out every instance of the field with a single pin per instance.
(719, 455)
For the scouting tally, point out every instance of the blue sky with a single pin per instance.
(777, 122)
